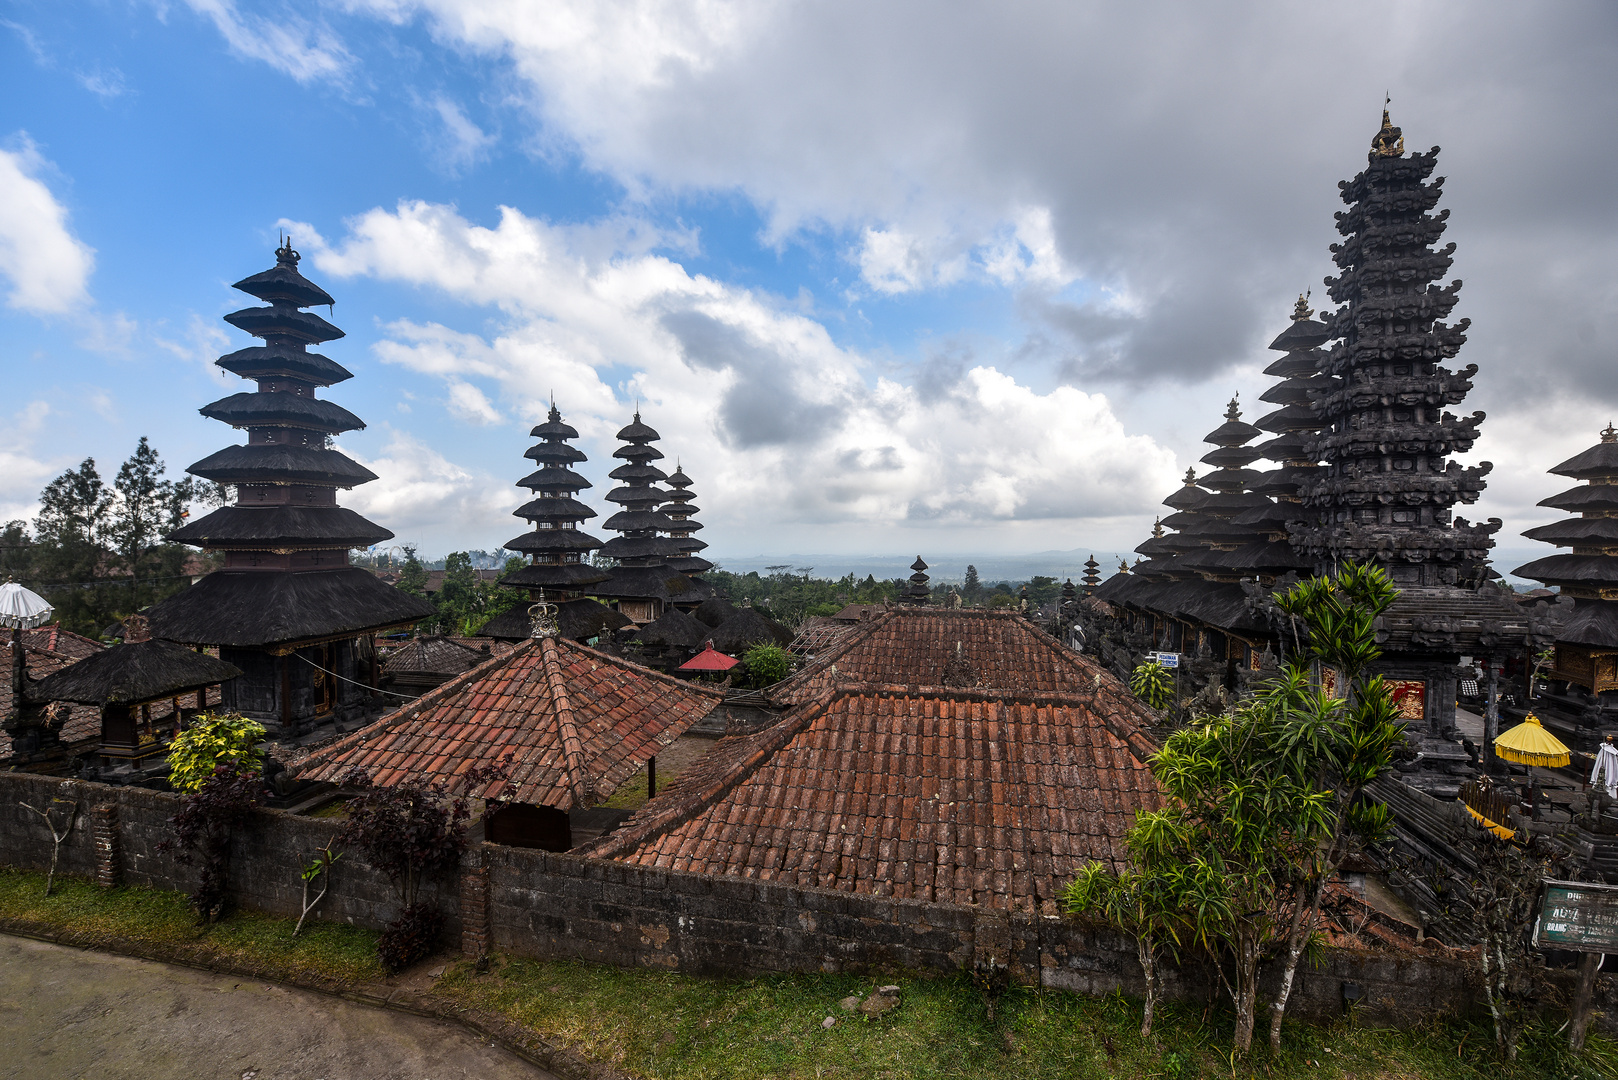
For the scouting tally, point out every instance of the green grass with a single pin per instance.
(675, 1027)
(328, 950)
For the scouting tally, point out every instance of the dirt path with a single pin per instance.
(69, 1013)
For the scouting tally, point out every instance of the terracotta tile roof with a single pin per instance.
(963, 797)
(575, 724)
(916, 647)
(47, 650)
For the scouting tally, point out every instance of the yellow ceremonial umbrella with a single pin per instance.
(1530, 744)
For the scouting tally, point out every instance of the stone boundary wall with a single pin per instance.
(537, 904)
(117, 830)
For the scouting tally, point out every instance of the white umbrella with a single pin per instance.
(21, 609)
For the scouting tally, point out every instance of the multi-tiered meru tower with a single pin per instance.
(643, 584)
(287, 608)
(1388, 486)
(556, 547)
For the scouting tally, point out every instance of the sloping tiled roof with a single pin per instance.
(571, 724)
(905, 646)
(817, 634)
(440, 655)
(961, 797)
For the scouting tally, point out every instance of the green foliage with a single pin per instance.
(767, 664)
(412, 575)
(212, 740)
(465, 601)
(971, 587)
(96, 551)
(1152, 684)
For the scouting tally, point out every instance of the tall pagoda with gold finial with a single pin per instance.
(287, 608)
(682, 514)
(1388, 488)
(643, 585)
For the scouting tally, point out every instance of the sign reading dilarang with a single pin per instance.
(1579, 917)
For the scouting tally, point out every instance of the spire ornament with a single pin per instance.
(1300, 310)
(1390, 141)
(542, 619)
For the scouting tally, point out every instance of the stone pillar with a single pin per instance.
(474, 906)
(104, 835)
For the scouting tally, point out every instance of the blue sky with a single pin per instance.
(887, 279)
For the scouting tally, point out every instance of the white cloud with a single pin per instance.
(423, 492)
(287, 42)
(776, 422)
(22, 473)
(108, 83)
(461, 143)
(48, 267)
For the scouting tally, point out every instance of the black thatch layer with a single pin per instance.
(1581, 532)
(636, 452)
(637, 432)
(645, 582)
(1598, 461)
(1593, 622)
(130, 674)
(577, 620)
(1291, 418)
(553, 510)
(282, 526)
(632, 471)
(714, 611)
(557, 575)
(248, 608)
(1303, 334)
(263, 361)
(554, 478)
(542, 541)
(554, 429)
(641, 547)
(676, 628)
(746, 628)
(275, 408)
(284, 320)
(554, 454)
(639, 521)
(288, 464)
(1585, 498)
(283, 282)
(1573, 569)
(690, 564)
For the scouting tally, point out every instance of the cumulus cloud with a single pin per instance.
(47, 266)
(776, 421)
(287, 42)
(23, 472)
(424, 490)
(459, 143)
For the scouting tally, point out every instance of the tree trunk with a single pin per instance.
(1245, 995)
(1579, 1022)
(1148, 965)
(1303, 927)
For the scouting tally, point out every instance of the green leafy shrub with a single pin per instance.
(1152, 683)
(767, 664)
(213, 740)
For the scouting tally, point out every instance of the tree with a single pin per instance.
(1171, 905)
(68, 565)
(413, 575)
(1152, 684)
(971, 587)
(767, 664)
(145, 508)
(212, 740)
(1340, 745)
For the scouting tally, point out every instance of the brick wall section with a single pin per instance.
(545, 905)
(104, 840)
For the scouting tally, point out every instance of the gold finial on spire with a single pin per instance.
(1123, 566)
(1157, 527)
(1300, 310)
(1233, 411)
(1609, 433)
(1191, 477)
(1390, 141)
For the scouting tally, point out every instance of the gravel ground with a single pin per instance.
(70, 1013)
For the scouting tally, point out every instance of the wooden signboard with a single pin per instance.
(1579, 917)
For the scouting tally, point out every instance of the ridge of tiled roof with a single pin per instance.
(571, 724)
(1043, 783)
(897, 637)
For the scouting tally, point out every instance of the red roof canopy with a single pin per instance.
(709, 659)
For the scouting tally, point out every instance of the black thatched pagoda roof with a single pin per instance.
(267, 361)
(714, 611)
(1598, 462)
(674, 627)
(555, 544)
(555, 577)
(287, 464)
(285, 540)
(266, 608)
(658, 582)
(542, 541)
(258, 527)
(1586, 498)
(576, 620)
(133, 673)
(745, 628)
